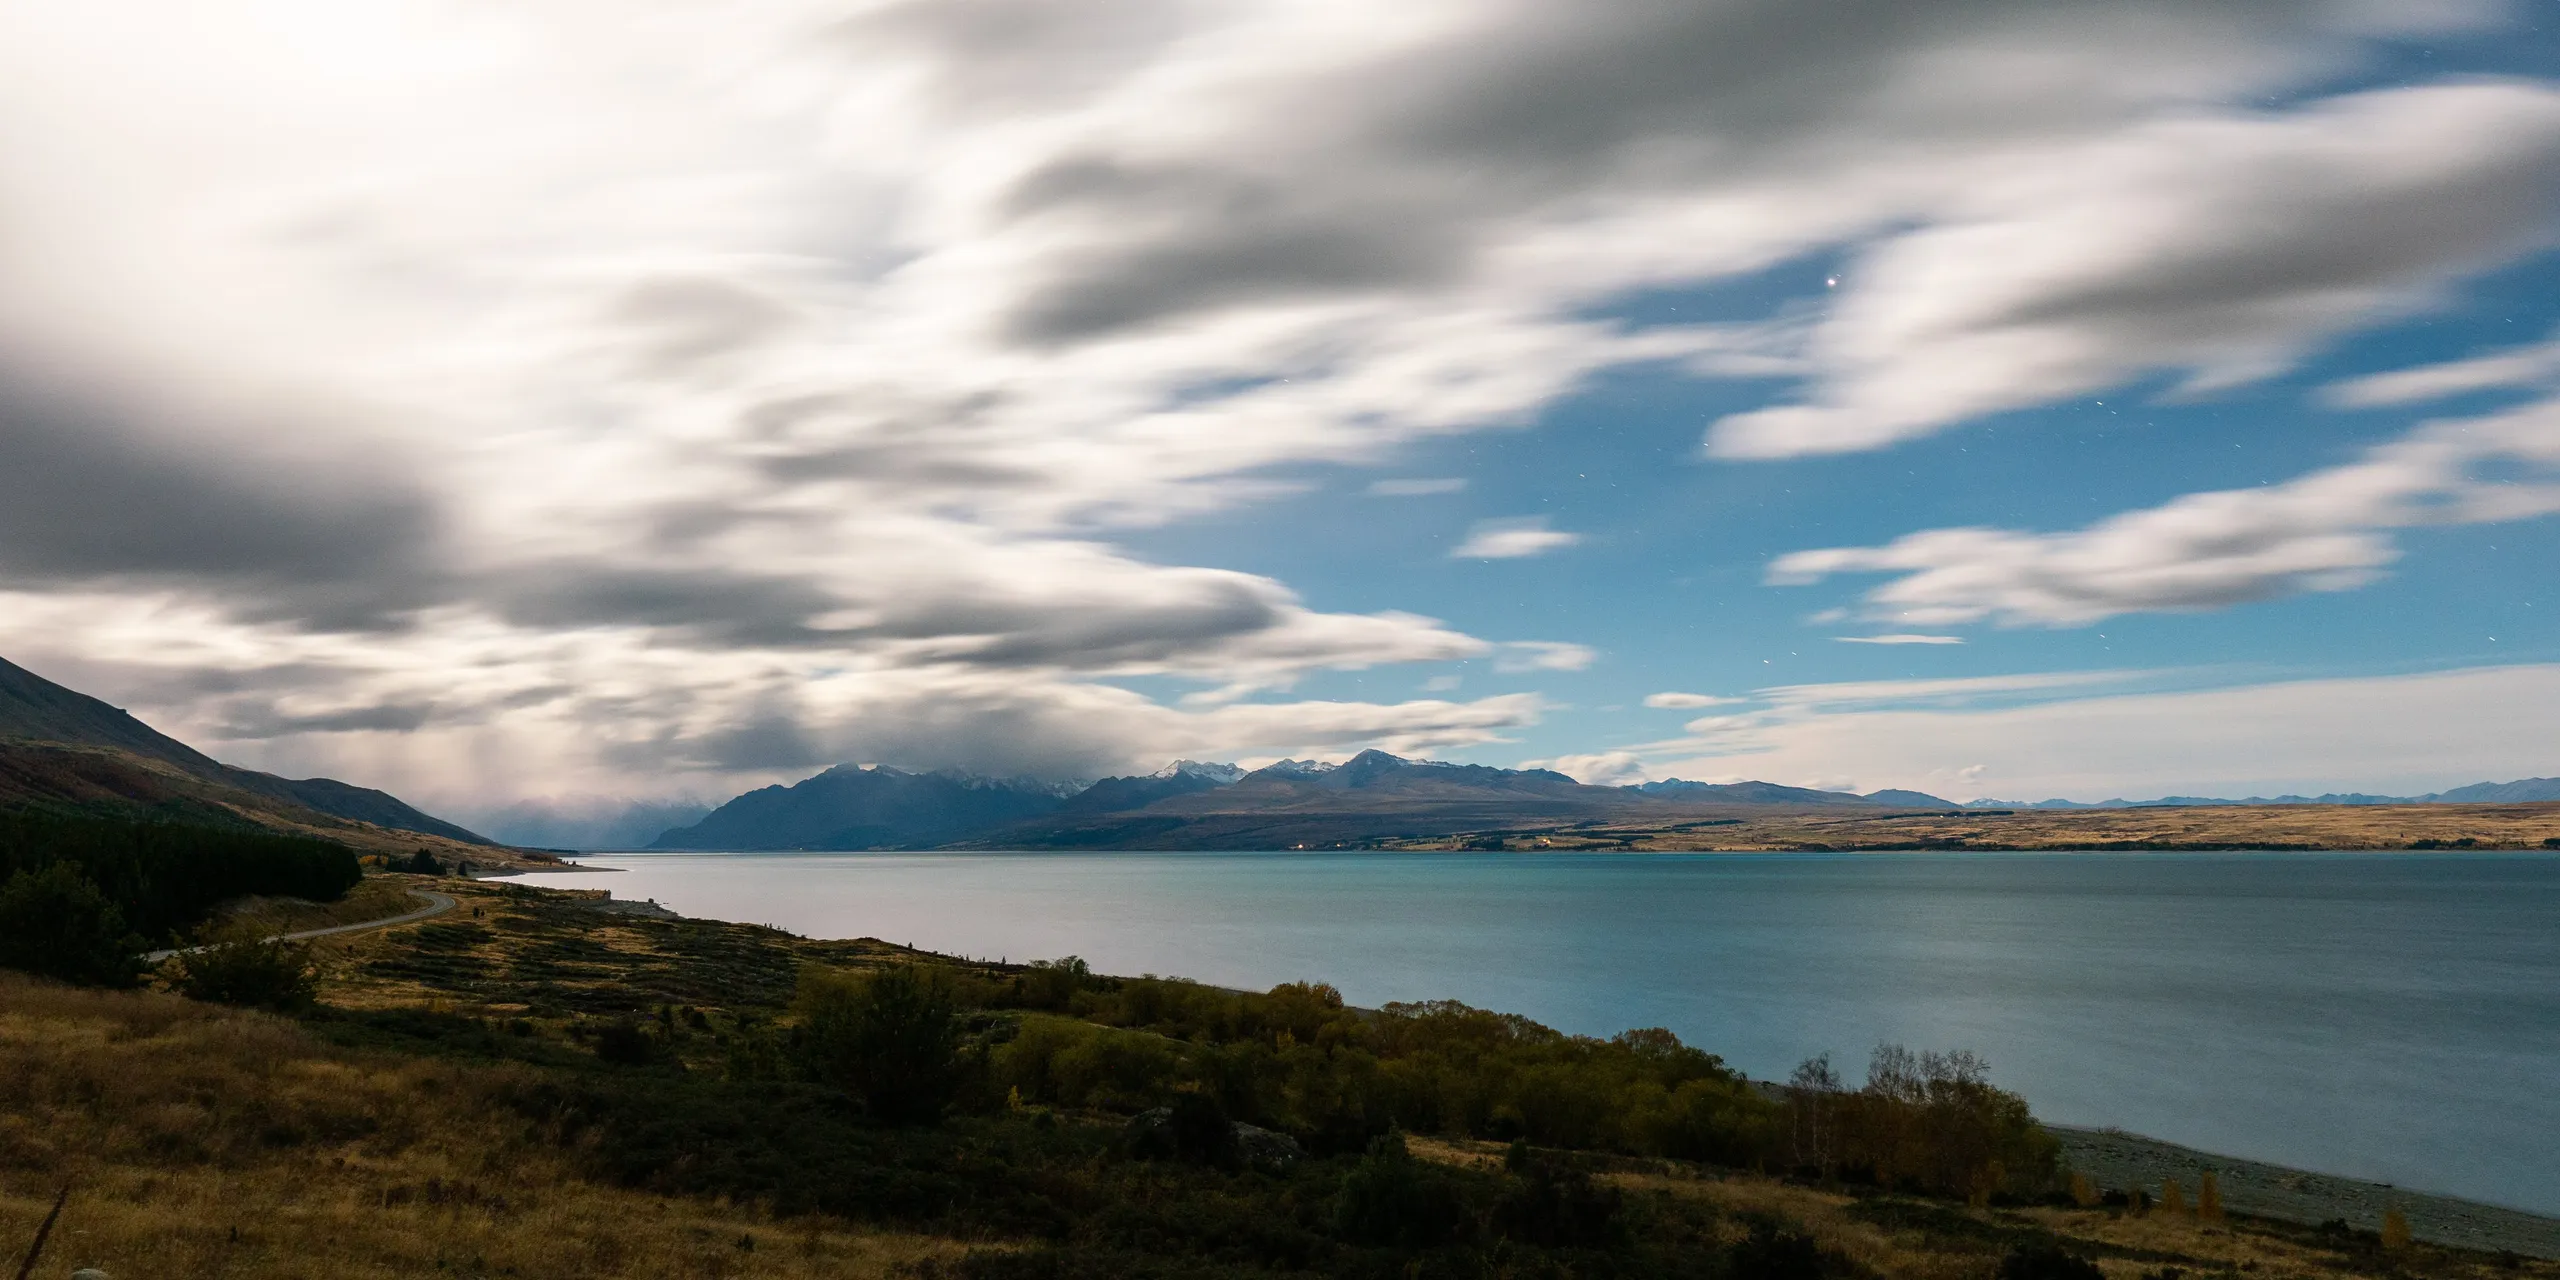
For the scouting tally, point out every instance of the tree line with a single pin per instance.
(81, 896)
(915, 1042)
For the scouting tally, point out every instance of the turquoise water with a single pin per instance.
(2393, 1017)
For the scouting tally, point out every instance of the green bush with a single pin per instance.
(261, 973)
(1392, 1199)
(891, 1039)
(54, 922)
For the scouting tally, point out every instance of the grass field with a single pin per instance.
(2325, 826)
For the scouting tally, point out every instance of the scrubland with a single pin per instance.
(534, 1086)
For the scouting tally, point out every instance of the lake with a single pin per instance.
(2394, 1017)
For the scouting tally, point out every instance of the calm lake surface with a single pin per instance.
(2385, 1016)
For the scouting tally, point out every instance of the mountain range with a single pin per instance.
(1372, 796)
(65, 748)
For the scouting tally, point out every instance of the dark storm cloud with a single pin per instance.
(992, 630)
(735, 607)
(1393, 174)
(269, 723)
(955, 618)
(86, 495)
(768, 740)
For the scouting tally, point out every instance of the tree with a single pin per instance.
(54, 922)
(891, 1039)
(2209, 1198)
(2395, 1230)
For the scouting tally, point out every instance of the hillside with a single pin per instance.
(63, 745)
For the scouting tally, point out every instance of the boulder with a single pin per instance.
(1267, 1152)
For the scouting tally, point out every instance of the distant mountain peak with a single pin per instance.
(1304, 768)
(1222, 774)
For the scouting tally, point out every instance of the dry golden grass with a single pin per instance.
(2378, 827)
(206, 1142)
(378, 897)
(2143, 1245)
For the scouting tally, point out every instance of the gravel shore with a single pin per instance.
(2116, 1160)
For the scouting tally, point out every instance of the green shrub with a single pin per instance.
(260, 973)
(1392, 1199)
(54, 922)
(891, 1039)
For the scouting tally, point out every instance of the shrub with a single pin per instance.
(54, 922)
(1558, 1206)
(625, 1043)
(260, 973)
(2046, 1260)
(2395, 1230)
(891, 1039)
(1390, 1198)
(1773, 1252)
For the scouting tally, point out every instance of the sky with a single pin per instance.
(553, 401)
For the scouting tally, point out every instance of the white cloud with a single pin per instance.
(1686, 701)
(2537, 365)
(1900, 638)
(1944, 690)
(2306, 737)
(2225, 247)
(1512, 539)
(639, 391)
(1517, 656)
(2326, 531)
(1598, 769)
(1415, 488)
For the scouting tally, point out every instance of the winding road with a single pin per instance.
(437, 904)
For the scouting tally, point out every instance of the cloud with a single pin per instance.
(1901, 638)
(2224, 247)
(1415, 488)
(2325, 531)
(1512, 539)
(1685, 701)
(657, 391)
(1598, 769)
(1515, 656)
(1949, 690)
(87, 495)
(2305, 737)
(2537, 366)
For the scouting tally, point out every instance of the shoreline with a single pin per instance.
(2116, 1159)
(2113, 1158)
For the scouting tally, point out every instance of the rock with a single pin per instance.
(1265, 1151)
(1149, 1135)
(90, 1273)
